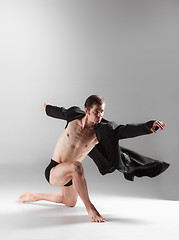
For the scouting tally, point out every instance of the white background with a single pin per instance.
(61, 52)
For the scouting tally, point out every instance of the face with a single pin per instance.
(95, 114)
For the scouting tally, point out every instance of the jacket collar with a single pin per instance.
(97, 131)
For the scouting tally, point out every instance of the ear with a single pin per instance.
(86, 111)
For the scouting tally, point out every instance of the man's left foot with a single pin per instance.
(94, 215)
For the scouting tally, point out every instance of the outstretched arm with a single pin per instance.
(55, 112)
(134, 130)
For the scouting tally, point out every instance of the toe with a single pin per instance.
(19, 199)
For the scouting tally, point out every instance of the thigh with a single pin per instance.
(61, 174)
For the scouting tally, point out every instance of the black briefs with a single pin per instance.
(49, 167)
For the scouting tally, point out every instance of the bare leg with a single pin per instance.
(59, 176)
(81, 187)
(33, 197)
(67, 196)
(63, 172)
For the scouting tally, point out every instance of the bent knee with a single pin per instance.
(78, 168)
(70, 203)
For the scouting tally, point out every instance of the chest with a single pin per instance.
(77, 134)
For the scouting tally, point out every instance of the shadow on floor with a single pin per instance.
(52, 215)
(128, 221)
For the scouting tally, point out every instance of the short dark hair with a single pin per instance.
(93, 100)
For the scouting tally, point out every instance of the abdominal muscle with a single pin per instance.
(74, 143)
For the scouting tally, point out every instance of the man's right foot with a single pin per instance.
(27, 197)
(94, 215)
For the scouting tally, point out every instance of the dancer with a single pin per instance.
(88, 133)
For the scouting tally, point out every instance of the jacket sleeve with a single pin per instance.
(56, 112)
(133, 130)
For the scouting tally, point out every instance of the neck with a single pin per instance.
(86, 123)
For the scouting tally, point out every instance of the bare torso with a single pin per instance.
(75, 142)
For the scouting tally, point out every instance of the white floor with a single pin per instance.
(138, 216)
(126, 218)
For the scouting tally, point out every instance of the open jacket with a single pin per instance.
(107, 154)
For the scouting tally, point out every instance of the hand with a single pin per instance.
(44, 107)
(158, 124)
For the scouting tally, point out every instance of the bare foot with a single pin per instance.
(27, 197)
(94, 215)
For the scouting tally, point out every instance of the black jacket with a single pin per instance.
(107, 154)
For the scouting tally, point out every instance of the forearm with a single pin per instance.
(56, 112)
(133, 130)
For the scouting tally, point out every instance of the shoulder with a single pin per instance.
(75, 111)
(108, 124)
(107, 127)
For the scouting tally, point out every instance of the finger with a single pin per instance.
(43, 109)
(159, 125)
(153, 131)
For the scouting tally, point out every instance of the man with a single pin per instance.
(87, 133)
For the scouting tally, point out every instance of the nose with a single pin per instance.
(99, 114)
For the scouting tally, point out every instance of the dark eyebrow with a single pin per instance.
(98, 109)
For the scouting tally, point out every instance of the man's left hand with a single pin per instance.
(158, 124)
